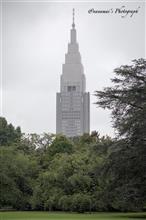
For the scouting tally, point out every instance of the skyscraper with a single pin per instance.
(73, 102)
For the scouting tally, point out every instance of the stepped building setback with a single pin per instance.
(73, 102)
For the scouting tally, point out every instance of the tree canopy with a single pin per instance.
(126, 165)
(8, 134)
(127, 100)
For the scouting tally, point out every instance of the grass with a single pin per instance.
(69, 216)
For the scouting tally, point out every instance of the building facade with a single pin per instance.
(73, 102)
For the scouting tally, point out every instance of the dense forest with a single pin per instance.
(87, 173)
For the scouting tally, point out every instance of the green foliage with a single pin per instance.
(123, 174)
(69, 179)
(60, 145)
(17, 171)
(8, 134)
(127, 100)
(81, 202)
(123, 177)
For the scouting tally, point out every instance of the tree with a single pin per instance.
(123, 174)
(60, 145)
(17, 174)
(127, 100)
(81, 202)
(8, 133)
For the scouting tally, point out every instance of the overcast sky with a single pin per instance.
(34, 42)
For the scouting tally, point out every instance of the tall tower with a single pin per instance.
(73, 102)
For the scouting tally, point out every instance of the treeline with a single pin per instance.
(87, 173)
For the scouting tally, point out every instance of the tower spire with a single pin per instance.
(73, 18)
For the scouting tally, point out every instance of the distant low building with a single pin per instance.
(73, 102)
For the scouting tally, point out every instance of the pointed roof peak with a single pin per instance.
(73, 18)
